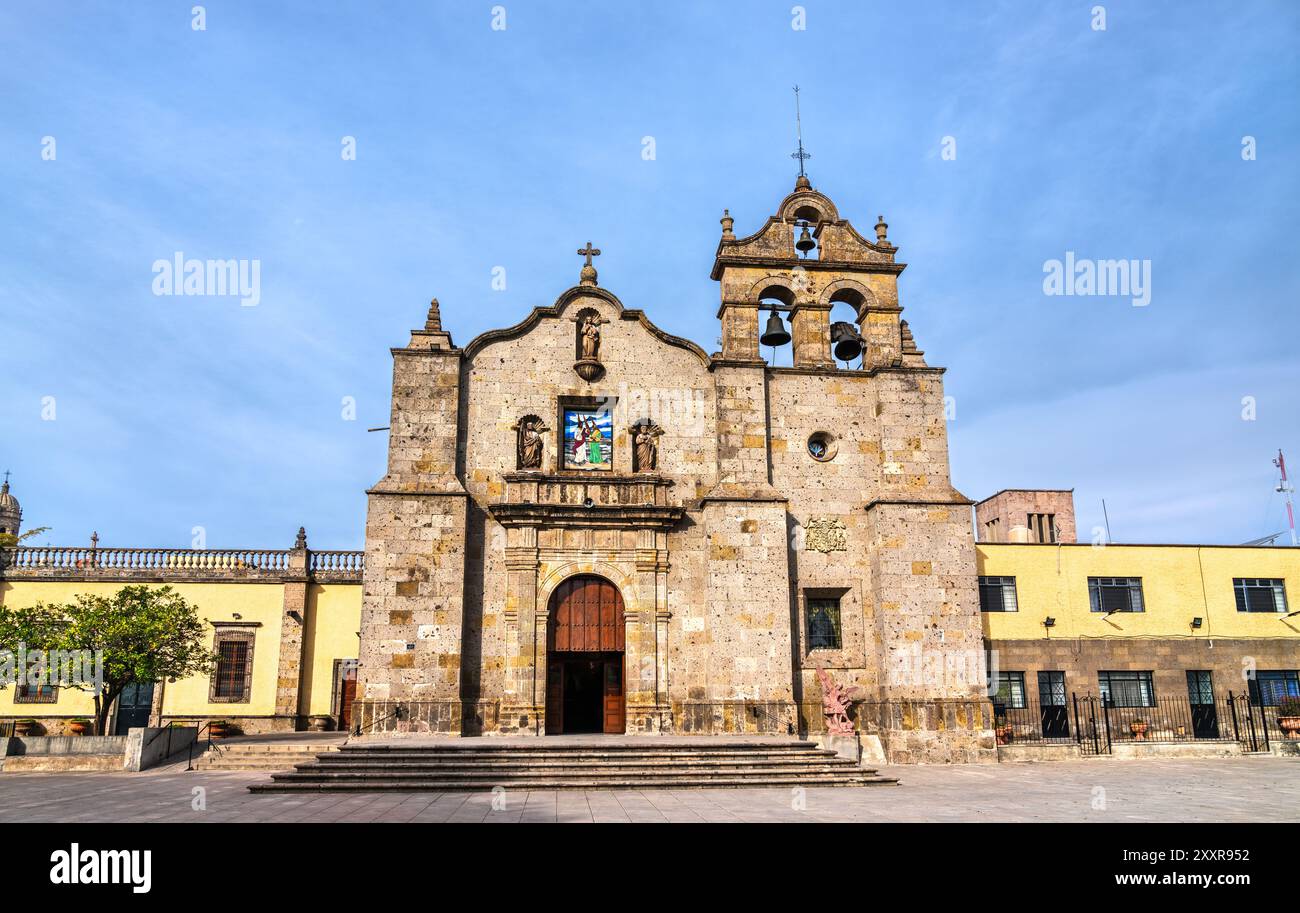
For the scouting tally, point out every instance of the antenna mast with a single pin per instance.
(1286, 488)
(798, 126)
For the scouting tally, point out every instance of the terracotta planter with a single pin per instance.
(79, 727)
(1290, 725)
(1003, 734)
(320, 723)
(26, 727)
(1139, 730)
(219, 730)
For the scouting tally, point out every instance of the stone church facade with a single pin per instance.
(587, 524)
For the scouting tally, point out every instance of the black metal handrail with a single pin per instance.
(207, 724)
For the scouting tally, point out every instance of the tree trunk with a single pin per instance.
(103, 704)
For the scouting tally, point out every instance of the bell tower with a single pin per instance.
(806, 258)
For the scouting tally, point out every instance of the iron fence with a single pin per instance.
(1096, 724)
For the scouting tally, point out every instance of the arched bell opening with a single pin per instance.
(584, 658)
(807, 223)
(847, 313)
(774, 332)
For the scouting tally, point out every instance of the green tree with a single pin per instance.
(147, 634)
(9, 540)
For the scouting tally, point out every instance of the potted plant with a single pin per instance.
(79, 727)
(1288, 716)
(320, 722)
(26, 727)
(1139, 729)
(1002, 729)
(218, 729)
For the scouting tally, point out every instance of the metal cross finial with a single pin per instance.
(589, 252)
(6, 476)
(798, 125)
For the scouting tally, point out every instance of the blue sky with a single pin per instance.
(479, 148)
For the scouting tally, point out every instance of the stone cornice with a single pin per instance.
(579, 516)
(553, 311)
(959, 500)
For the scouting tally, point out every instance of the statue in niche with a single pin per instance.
(530, 429)
(588, 366)
(645, 446)
(589, 328)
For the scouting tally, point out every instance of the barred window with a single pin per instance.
(1268, 688)
(1126, 689)
(1115, 594)
(998, 594)
(1010, 692)
(823, 623)
(1260, 594)
(36, 694)
(232, 678)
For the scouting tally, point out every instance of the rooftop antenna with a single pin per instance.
(1109, 540)
(798, 126)
(1286, 488)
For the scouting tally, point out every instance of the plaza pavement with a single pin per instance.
(1096, 790)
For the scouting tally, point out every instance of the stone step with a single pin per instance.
(613, 746)
(548, 783)
(291, 748)
(261, 757)
(496, 776)
(341, 764)
(519, 756)
(237, 764)
(642, 764)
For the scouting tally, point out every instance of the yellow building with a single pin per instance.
(284, 624)
(1154, 631)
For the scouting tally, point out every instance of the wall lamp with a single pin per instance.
(1049, 622)
(1197, 621)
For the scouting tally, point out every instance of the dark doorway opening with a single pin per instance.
(1051, 701)
(587, 690)
(584, 658)
(1200, 694)
(134, 707)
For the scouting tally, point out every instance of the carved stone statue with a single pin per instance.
(530, 429)
(645, 446)
(591, 337)
(835, 705)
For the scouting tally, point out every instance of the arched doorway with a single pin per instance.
(584, 657)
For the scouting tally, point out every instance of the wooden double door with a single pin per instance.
(584, 658)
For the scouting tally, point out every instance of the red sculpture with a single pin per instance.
(835, 704)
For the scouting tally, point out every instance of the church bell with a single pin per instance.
(775, 334)
(846, 341)
(805, 242)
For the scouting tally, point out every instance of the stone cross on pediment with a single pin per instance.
(588, 274)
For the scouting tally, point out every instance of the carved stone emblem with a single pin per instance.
(826, 534)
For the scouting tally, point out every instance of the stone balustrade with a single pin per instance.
(179, 564)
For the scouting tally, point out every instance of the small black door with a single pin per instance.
(1200, 693)
(133, 707)
(1051, 703)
